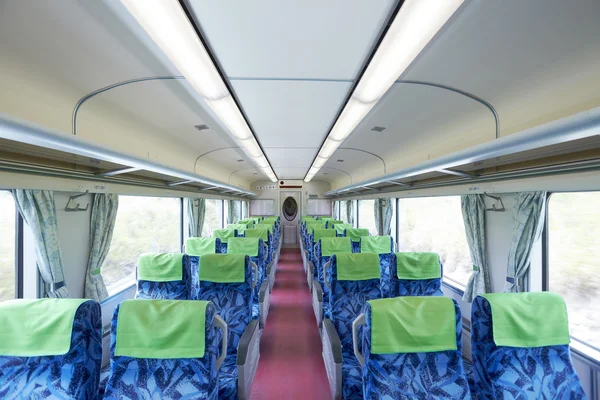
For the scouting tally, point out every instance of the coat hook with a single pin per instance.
(494, 208)
(73, 205)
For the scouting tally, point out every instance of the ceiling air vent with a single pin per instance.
(202, 127)
(378, 128)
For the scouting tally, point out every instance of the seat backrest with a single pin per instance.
(50, 348)
(340, 228)
(412, 349)
(255, 249)
(384, 246)
(325, 248)
(353, 279)
(355, 234)
(163, 276)
(529, 359)
(163, 349)
(331, 223)
(224, 235)
(240, 228)
(227, 280)
(416, 274)
(265, 236)
(197, 246)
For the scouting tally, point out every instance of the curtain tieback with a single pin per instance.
(510, 279)
(475, 268)
(96, 271)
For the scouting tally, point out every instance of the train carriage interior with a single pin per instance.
(342, 199)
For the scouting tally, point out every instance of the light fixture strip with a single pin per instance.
(167, 24)
(413, 27)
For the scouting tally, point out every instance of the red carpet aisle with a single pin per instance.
(291, 365)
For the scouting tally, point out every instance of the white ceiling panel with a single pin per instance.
(291, 113)
(292, 39)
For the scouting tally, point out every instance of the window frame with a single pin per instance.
(582, 345)
(18, 253)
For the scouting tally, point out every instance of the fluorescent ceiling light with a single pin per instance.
(353, 113)
(262, 162)
(416, 23)
(169, 27)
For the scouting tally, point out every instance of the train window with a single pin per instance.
(436, 224)
(343, 211)
(213, 217)
(7, 246)
(366, 216)
(573, 264)
(144, 225)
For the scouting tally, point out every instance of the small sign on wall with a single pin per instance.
(271, 187)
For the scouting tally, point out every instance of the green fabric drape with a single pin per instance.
(336, 209)
(528, 224)
(38, 209)
(233, 213)
(196, 210)
(473, 211)
(350, 212)
(102, 225)
(383, 216)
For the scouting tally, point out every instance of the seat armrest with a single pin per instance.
(317, 300)
(310, 275)
(248, 354)
(332, 356)
(263, 301)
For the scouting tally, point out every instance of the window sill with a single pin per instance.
(120, 291)
(585, 351)
(454, 286)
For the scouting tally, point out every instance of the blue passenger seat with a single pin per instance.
(163, 276)
(165, 349)
(384, 247)
(410, 348)
(355, 234)
(520, 347)
(354, 279)
(224, 235)
(50, 349)
(197, 246)
(415, 274)
(227, 280)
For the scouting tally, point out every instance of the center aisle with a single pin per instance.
(291, 365)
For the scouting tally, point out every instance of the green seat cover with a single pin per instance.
(248, 223)
(261, 233)
(239, 227)
(418, 266)
(222, 268)
(256, 220)
(224, 234)
(340, 228)
(336, 221)
(37, 327)
(312, 226)
(197, 246)
(412, 325)
(356, 233)
(533, 319)
(357, 266)
(265, 226)
(161, 329)
(321, 233)
(161, 267)
(375, 244)
(307, 219)
(335, 245)
(243, 245)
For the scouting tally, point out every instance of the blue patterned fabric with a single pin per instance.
(519, 373)
(175, 378)
(261, 265)
(222, 248)
(346, 301)
(385, 263)
(234, 303)
(75, 375)
(174, 290)
(356, 247)
(436, 375)
(408, 287)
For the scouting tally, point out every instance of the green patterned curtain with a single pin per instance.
(196, 210)
(350, 212)
(102, 225)
(528, 224)
(473, 211)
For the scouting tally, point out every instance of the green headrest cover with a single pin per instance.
(256, 220)
(161, 329)
(325, 219)
(336, 221)
(222, 268)
(412, 325)
(261, 233)
(240, 227)
(321, 233)
(532, 319)
(357, 266)
(376, 244)
(224, 234)
(271, 219)
(197, 246)
(306, 219)
(247, 223)
(311, 227)
(335, 245)
(356, 233)
(32, 328)
(418, 266)
(340, 228)
(243, 245)
(265, 226)
(162, 267)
